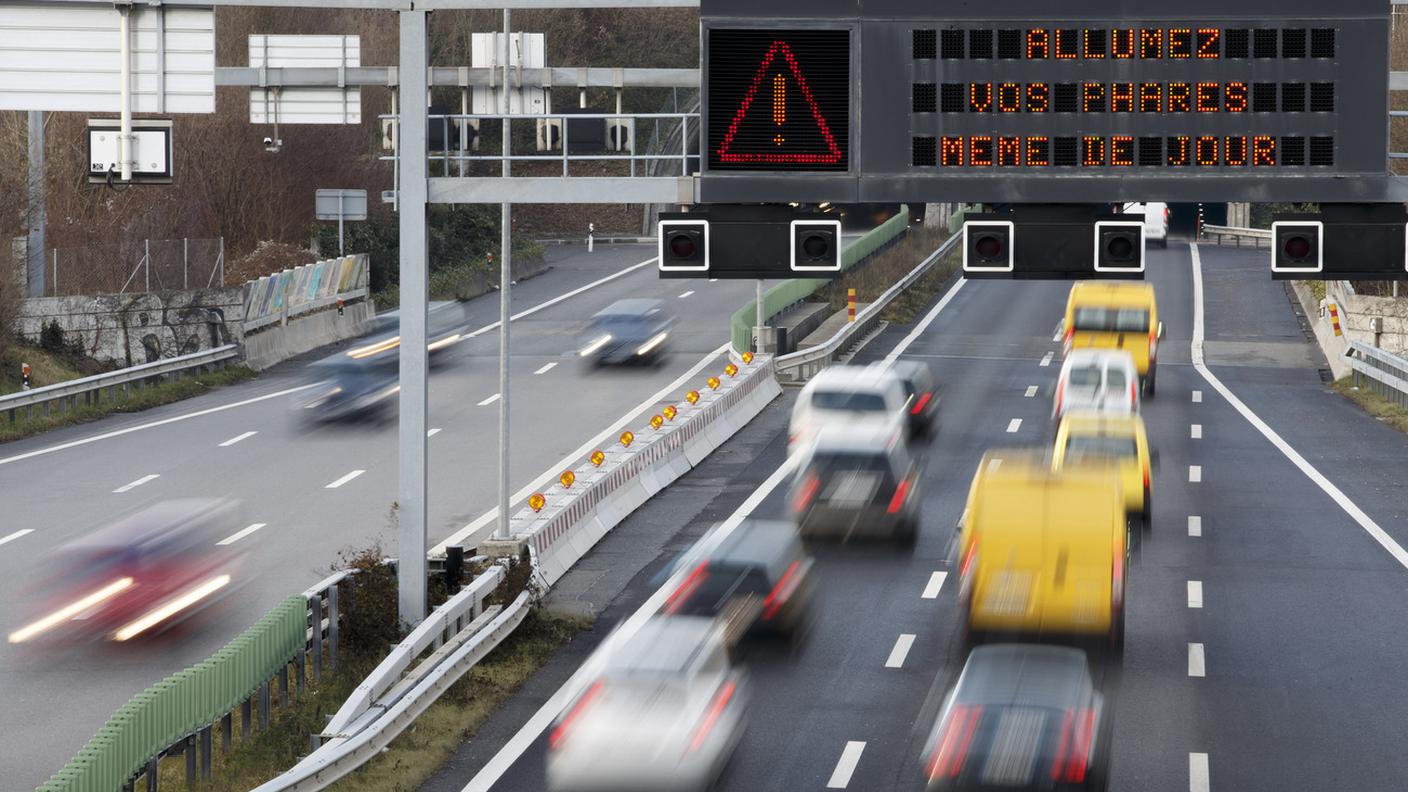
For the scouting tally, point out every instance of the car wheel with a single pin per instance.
(1149, 380)
(907, 533)
(1146, 515)
(1163, 243)
(1117, 634)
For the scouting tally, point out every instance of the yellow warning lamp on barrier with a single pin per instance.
(597, 458)
(627, 438)
(656, 421)
(669, 412)
(713, 383)
(692, 397)
(567, 478)
(536, 501)
(731, 370)
(747, 358)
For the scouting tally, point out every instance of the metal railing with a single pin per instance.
(1221, 233)
(64, 396)
(802, 365)
(1383, 373)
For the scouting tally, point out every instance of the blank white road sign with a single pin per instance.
(305, 105)
(151, 149)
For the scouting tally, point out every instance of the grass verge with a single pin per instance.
(873, 279)
(133, 400)
(1372, 403)
(46, 367)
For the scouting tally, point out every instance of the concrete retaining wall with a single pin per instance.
(272, 344)
(129, 329)
(1357, 314)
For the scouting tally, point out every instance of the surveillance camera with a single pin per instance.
(268, 141)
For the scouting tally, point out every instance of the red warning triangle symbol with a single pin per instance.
(819, 144)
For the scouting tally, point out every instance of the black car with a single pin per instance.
(857, 482)
(627, 331)
(922, 407)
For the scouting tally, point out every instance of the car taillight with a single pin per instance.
(952, 747)
(1146, 479)
(560, 733)
(1153, 344)
(1167, 214)
(716, 709)
(966, 565)
(779, 594)
(921, 403)
(1073, 750)
(1133, 392)
(1060, 395)
(688, 586)
(901, 492)
(806, 493)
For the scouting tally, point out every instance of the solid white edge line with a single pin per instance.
(16, 535)
(490, 400)
(686, 294)
(1195, 473)
(1370, 527)
(151, 425)
(1198, 772)
(1013, 425)
(238, 438)
(936, 582)
(900, 651)
(846, 765)
(559, 298)
(545, 369)
(1031, 391)
(1196, 431)
(1195, 593)
(135, 484)
(240, 534)
(345, 479)
(1196, 667)
(1195, 525)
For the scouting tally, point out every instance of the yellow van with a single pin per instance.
(1116, 315)
(1085, 437)
(1041, 551)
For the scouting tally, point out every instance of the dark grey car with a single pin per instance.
(627, 331)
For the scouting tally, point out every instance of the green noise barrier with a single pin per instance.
(794, 290)
(185, 702)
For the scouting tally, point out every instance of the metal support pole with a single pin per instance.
(411, 195)
(246, 715)
(264, 705)
(147, 260)
(124, 140)
(332, 627)
(283, 685)
(221, 262)
(205, 753)
(759, 318)
(56, 272)
(341, 249)
(227, 725)
(315, 628)
(34, 246)
(185, 263)
(190, 751)
(152, 774)
(505, 318)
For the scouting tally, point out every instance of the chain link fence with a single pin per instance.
(135, 266)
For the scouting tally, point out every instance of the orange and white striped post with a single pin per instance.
(850, 305)
(1335, 319)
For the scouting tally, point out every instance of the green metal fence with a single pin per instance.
(791, 291)
(185, 702)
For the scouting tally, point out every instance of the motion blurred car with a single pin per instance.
(921, 394)
(1021, 716)
(857, 481)
(1042, 553)
(855, 396)
(666, 713)
(140, 574)
(627, 331)
(1116, 315)
(758, 579)
(1096, 380)
(1156, 216)
(1121, 440)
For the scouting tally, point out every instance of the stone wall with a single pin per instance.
(129, 329)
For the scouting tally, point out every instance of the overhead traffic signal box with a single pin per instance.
(1053, 242)
(748, 241)
(1341, 242)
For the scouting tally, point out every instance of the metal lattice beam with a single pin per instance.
(562, 190)
(566, 76)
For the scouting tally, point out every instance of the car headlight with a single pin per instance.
(651, 344)
(595, 344)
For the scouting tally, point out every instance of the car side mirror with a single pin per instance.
(1161, 331)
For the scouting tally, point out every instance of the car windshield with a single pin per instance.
(1115, 380)
(1112, 320)
(850, 401)
(1099, 447)
(1085, 378)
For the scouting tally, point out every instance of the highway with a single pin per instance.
(317, 492)
(1266, 621)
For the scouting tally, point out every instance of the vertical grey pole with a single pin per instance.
(222, 261)
(185, 263)
(758, 290)
(147, 260)
(56, 272)
(505, 283)
(411, 192)
(34, 249)
(340, 249)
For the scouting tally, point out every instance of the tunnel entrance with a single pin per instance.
(1183, 217)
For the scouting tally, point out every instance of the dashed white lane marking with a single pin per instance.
(713, 280)
(1196, 431)
(433, 432)
(846, 765)
(237, 438)
(16, 535)
(490, 400)
(139, 482)
(561, 297)
(345, 479)
(1046, 359)
(1013, 425)
(900, 650)
(1195, 525)
(686, 294)
(1195, 593)
(238, 535)
(1031, 391)
(1197, 397)
(936, 582)
(1195, 473)
(1198, 772)
(1195, 660)
(545, 369)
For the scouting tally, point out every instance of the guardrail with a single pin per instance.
(1384, 373)
(802, 365)
(64, 396)
(1221, 233)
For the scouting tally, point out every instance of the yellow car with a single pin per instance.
(1116, 315)
(1043, 552)
(1084, 437)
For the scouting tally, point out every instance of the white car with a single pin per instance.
(1156, 216)
(852, 396)
(1100, 380)
(666, 713)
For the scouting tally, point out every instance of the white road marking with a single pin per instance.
(559, 298)
(1336, 494)
(713, 280)
(1031, 391)
(936, 582)
(1013, 425)
(1198, 772)
(489, 400)
(1195, 473)
(1197, 397)
(924, 325)
(546, 368)
(345, 479)
(238, 438)
(846, 765)
(1046, 359)
(1195, 525)
(139, 482)
(238, 535)
(1195, 660)
(900, 651)
(433, 432)
(16, 535)
(1195, 593)
(1196, 431)
(686, 294)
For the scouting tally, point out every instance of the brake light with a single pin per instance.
(901, 492)
(966, 565)
(560, 733)
(921, 403)
(952, 747)
(1073, 750)
(779, 594)
(1153, 344)
(1133, 391)
(806, 493)
(1167, 213)
(716, 709)
(1060, 395)
(691, 584)
(1146, 479)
